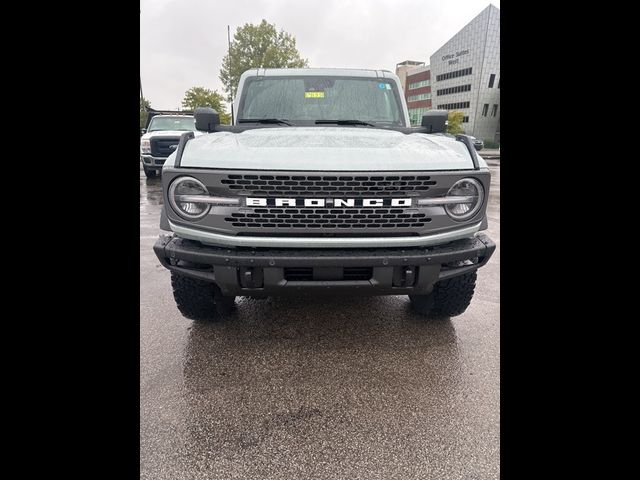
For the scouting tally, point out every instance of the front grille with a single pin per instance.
(312, 185)
(161, 147)
(323, 218)
(305, 274)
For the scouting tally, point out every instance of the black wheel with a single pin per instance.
(150, 173)
(449, 297)
(200, 300)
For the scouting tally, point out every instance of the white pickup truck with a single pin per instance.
(160, 139)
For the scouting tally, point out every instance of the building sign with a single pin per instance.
(453, 59)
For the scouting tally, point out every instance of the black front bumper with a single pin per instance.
(261, 272)
(151, 161)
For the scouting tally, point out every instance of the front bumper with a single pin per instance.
(263, 272)
(150, 161)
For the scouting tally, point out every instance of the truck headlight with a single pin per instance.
(473, 192)
(183, 195)
(145, 146)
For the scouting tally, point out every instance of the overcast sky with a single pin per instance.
(182, 42)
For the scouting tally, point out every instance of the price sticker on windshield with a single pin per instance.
(313, 94)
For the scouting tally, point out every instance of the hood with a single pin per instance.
(326, 149)
(166, 133)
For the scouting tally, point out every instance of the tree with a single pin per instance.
(203, 97)
(455, 122)
(258, 46)
(143, 112)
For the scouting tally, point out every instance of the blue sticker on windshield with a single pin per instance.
(381, 86)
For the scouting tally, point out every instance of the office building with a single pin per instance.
(465, 75)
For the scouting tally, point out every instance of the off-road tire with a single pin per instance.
(150, 173)
(449, 297)
(199, 300)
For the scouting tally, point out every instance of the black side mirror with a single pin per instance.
(206, 119)
(435, 121)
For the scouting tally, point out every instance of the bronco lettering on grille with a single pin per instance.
(322, 202)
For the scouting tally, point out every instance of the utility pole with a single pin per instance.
(144, 105)
(229, 55)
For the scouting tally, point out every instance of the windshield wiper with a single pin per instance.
(345, 122)
(265, 120)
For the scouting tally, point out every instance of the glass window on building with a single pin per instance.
(423, 83)
(485, 109)
(492, 78)
(415, 115)
(494, 111)
(422, 96)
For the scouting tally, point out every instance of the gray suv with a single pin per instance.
(321, 185)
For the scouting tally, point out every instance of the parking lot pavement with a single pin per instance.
(317, 387)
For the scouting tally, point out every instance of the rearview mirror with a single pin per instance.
(206, 119)
(435, 121)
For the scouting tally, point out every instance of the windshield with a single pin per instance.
(172, 123)
(305, 99)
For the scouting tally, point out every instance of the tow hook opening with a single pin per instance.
(251, 277)
(405, 276)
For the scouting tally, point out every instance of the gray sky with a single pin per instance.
(182, 42)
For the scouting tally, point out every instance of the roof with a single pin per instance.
(409, 62)
(343, 72)
(415, 71)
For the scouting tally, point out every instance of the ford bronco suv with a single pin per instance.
(160, 138)
(321, 185)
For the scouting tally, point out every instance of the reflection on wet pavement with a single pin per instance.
(317, 387)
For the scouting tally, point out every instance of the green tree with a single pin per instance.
(203, 97)
(258, 46)
(143, 112)
(454, 125)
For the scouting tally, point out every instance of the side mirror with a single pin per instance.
(435, 121)
(143, 131)
(206, 119)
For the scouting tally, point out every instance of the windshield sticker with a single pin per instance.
(381, 86)
(388, 86)
(313, 94)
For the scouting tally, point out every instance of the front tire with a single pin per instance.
(199, 300)
(449, 297)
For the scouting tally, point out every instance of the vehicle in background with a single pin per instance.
(477, 144)
(161, 136)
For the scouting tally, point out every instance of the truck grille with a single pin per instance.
(303, 185)
(358, 218)
(161, 147)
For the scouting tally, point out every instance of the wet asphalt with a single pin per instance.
(322, 388)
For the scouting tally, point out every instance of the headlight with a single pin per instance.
(473, 192)
(183, 194)
(145, 145)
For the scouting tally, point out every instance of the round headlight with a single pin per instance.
(473, 193)
(183, 193)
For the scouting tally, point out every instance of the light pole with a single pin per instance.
(144, 105)
(229, 54)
